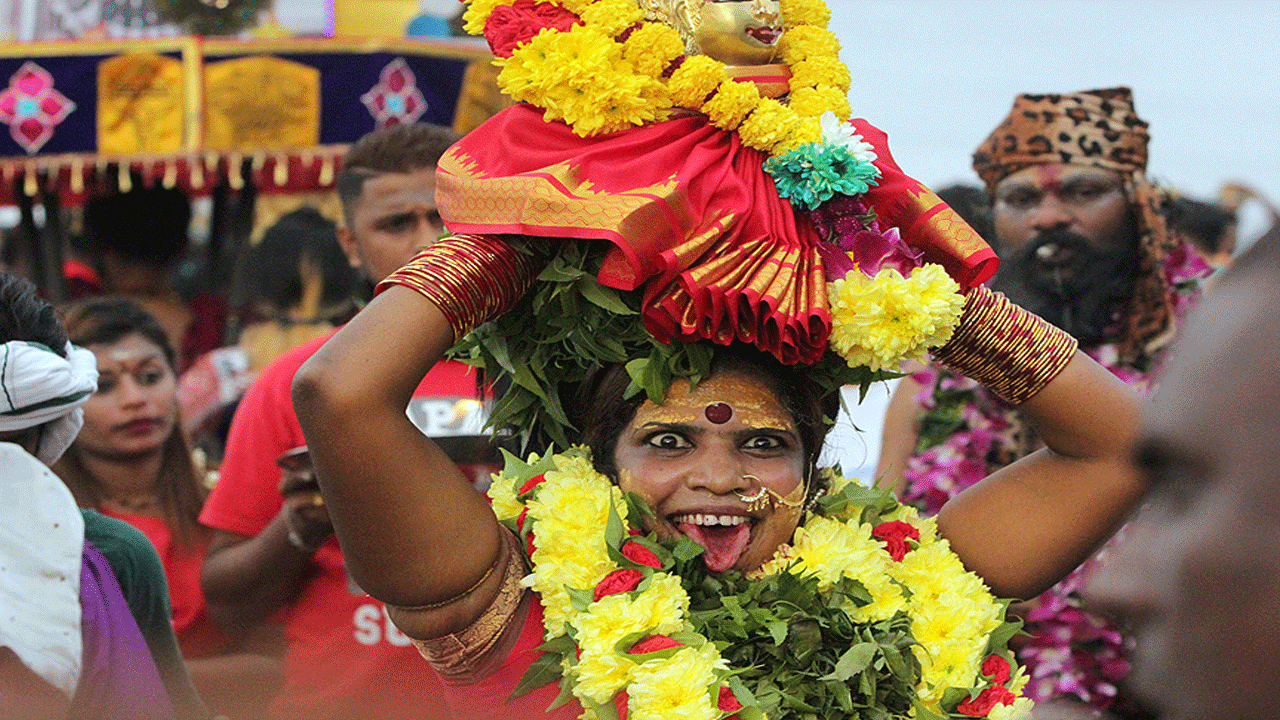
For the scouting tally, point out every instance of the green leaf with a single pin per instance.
(853, 661)
(804, 639)
(603, 711)
(580, 598)
(557, 271)
(924, 713)
(778, 631)
(560, 644)
(794, 702)
(844, 698)
(565, 694)
(686, 549)
(614, 529)
(898, 665)
(637, 509)
(606, 298)
(952, 697)
(750, 705)
(543, 671)
(1000, 637)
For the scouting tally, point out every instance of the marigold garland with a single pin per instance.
(618, 604)
(883, 320)
(608, 74)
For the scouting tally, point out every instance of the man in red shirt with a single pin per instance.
(274, 553)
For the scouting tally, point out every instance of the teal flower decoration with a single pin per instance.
(813, 174)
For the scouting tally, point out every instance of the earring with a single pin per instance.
(814, 492)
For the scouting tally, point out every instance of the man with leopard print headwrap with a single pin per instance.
(1083, 242)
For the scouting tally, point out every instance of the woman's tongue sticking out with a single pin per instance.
(723, 544)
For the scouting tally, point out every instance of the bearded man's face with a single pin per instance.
(1068, 246)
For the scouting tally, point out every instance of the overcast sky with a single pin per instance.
(939, 75)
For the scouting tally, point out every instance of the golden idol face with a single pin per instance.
(739, 32)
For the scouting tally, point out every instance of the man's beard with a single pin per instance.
(1082, 294)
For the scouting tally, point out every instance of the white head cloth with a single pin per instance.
(38, 386)
(41, 543)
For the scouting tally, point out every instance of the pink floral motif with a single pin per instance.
(396, 99)
(1184, 268)
(32, 108)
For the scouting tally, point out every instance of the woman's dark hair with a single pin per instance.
(24, 315)
(101, 321)
(301, 238)
(602, 411)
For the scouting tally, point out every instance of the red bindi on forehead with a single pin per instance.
(1048, 177)
(719, 413)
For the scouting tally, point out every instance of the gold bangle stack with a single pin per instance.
(471, 278)
(1011, 351)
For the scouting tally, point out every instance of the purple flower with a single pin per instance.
(854, 243)
(1182, 263)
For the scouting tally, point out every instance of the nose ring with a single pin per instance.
(757, 500)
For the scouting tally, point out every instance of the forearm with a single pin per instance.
(247, 579)
(386, 485)
(1028, 525)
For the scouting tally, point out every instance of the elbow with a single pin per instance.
(311, 385)
(321, 396)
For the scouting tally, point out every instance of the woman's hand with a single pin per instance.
(413, 529)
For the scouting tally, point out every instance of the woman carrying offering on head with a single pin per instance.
(677, 292)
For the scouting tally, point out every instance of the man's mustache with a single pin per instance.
(1057, 261)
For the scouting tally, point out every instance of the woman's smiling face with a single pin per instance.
(693, 457)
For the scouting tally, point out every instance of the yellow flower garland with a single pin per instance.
(881, 321)
(567, 515)
(596, 83)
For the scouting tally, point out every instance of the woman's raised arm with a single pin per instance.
(1027, 526)
(413, 530)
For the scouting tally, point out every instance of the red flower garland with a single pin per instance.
(511, 25)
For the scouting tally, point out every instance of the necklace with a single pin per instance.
(134, 503)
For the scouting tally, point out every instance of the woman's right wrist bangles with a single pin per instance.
(471, 278)
(1011, 351)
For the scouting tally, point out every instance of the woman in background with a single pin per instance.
(132, 462)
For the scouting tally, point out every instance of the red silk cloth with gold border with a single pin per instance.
(692, 218)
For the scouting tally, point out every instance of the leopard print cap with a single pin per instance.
(1095, 127)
